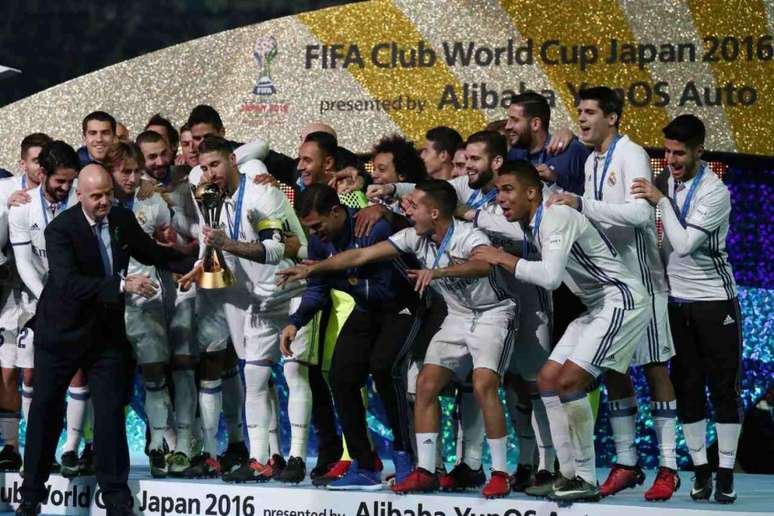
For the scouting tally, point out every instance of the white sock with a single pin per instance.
(426, 450)
(696, 441)
(542, 429)
(498, 451)
(274, 423)
(157, 407)
(185, 408)
(233, 401)
(9, 428)
(472, 431)
(728, 440)
(258, 410)
(210, 406)
(299, 406)
(665, 419)
(560, 433)
(76, 412)
(623, 420)
(26, 400)
(580, 419)
(170, 436)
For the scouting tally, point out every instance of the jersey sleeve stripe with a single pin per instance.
(21, 243)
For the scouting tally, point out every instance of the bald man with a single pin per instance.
(80, 325)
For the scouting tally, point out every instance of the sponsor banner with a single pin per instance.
(215, 498)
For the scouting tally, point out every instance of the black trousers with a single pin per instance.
(708, 346)
(106, 373)
(371, 342)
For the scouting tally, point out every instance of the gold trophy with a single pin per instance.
(215, 274)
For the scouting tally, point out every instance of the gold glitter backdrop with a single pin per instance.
(382, 66)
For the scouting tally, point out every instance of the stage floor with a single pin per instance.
(213, 497)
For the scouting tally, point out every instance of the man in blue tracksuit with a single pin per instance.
(372, 340)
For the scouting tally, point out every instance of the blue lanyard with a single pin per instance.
(690, 194)
(486, 199)
(608, 158)
(24, 182)
(444, 244)
(535, 233)
(542, 155)
(43, 205)
(238, 211)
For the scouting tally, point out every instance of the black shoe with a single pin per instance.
(278, 465)
(27, 508)
(702, 483)
(574, 490)
(235, 454)
(522, 478)
(10, 460)
(70, 467)
(86, 462)
(542, 485)
(55, 467)
(724, 486)
(294, 472)
(461, 478)
(158, 463)
(203, 466)
(250, 471)
(123, 509)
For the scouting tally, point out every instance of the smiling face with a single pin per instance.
(313, 165)
(158, 158)
(517, 127)
(30, 165)
(98, 137)
(326, 227)
(460, 163)
(126, 176)
(186, 145)
(58, 185)
(478, 165)
(384, 169)
(595, 126)
(681, 159)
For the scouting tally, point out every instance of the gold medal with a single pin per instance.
(352, 280)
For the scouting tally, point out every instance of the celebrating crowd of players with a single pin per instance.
(513, 259)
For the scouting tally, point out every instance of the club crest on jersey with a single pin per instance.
(611, 179)
(141, 217)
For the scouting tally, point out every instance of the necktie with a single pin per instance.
(103, 242)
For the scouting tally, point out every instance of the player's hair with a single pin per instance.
(524, 172)
(99, 116)
(120, 151)
(174, 136)
(404, 156)
(494, 143)
(57, 154)
(496, 125)
(444, 139)
(33, 140)
(204, 114)
(441, 195)
(534, 105)
(688, 129)
(149, 137)
(326, 142)
(212, 143)
(609, 101)
(319, 198)
(185, 127)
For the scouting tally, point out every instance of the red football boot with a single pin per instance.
(419, 481)
(620, 478)
(499, 485)
(667, 483)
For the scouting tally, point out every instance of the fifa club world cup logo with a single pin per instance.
(265, 52)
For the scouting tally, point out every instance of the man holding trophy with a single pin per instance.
(244, 244)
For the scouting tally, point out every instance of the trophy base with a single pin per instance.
(264, 86)
(215, 280)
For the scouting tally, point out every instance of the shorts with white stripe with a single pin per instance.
(656, 346)
(473, 342)
(603, 338)
(533, 340)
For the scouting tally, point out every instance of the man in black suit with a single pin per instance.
(80, 324)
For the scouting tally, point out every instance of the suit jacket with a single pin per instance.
(80, 305)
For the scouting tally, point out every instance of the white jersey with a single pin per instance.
(265, 214)
(574, 251)
(629, 223)
(151, 214)
(462, 295)
(27, 224)
(8, 186)
(695, 249)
